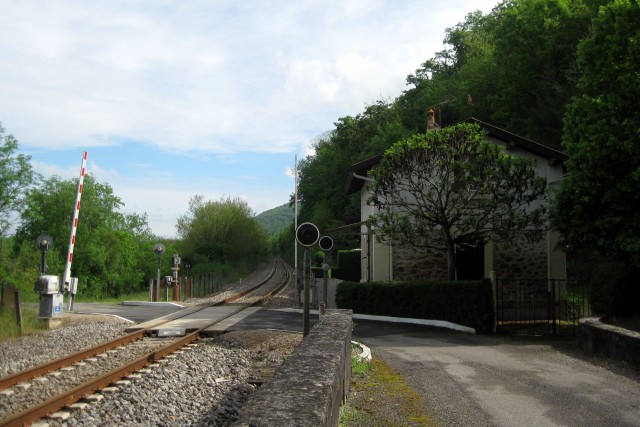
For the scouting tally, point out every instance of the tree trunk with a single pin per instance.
(451, 258)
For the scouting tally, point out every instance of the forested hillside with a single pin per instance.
(515, 68)
(277, 219)
(563, 73)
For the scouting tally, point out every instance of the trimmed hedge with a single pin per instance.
(348, 265)
(318, 272)
(465, 302)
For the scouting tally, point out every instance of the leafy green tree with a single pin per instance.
(535, 55)
(113, 252)
(451, 187)
(514, 68)
(220, 236)
(16, 176)
(322, 175)
(597, 206)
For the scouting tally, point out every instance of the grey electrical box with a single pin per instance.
(47, 284)
(51, 305)
(73, 285)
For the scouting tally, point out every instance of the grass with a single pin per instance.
(380, 396)
(359, 366)
(136, 296)
(9, 325)
(32, 324)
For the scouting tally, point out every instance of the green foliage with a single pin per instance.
(359, 365)
(466, 303)
(277, 219)
(221, 235)
(612, 284)
(348, 265)
(596, 207)
(534, 52)
(514, 67)
(450, 188)
(283, 244)
(321, 186)
(16, 175)
(113, 252)
(9, 327)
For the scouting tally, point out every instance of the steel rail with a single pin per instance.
(67, 398)
(44, 368)
(188, 311)
(248, 291)
(279, 288)
(64, 399)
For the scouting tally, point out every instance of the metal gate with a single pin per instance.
(540, 306)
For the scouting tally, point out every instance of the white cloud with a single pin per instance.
(201, 75)
(203, 79)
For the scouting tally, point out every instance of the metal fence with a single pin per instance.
(189, 287)
(540, 306)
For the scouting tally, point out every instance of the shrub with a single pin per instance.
(466, 302)
(348, 267)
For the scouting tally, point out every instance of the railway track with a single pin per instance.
(99, 368)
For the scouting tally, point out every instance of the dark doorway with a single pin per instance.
(470, 262)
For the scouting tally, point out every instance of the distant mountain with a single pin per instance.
(276, 219)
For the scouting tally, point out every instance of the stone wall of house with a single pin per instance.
(514, 259)
(520, 259)
(418, 264)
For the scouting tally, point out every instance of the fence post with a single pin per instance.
(18, 311)
(494, 296)
(553, 307)
(4, 285)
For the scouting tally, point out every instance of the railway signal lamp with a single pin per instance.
(307, 234)
(47, 286)
(326, 244)
(43, 243)
(158, 249)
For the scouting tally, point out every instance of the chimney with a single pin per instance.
(431, 121)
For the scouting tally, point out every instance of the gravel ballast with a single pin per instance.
(205, 384)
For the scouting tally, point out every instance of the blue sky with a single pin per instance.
(213, 97)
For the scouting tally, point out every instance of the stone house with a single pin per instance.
(516, 258)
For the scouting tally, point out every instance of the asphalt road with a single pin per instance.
(477, 380)
(137, 314)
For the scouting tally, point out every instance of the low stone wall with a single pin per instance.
(613, 341)
(309, 388)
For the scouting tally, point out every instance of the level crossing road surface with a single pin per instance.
(475, 380)
(288, 320)
(134, 313)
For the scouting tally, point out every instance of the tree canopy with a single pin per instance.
(514, 67)
(597, 207)
(451, 187)
(16, 175)
(219, 235)
(113, 251)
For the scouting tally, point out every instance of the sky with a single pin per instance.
(211, 97)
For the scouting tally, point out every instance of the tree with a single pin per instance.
(450, 188)
(535, 56)
(16, 176)
(321, 189)
(597, 206)
(113, 251)
(221, 235)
